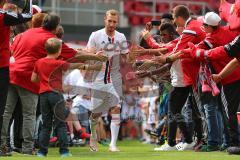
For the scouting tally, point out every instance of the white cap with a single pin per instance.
(211, 19)
(36, 9)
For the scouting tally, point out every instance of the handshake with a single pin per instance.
(91, 54)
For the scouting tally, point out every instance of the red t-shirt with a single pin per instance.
(27, 48)
(49, 71)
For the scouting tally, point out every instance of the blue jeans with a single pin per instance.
(210, 107)
(224, 133)
(48, 103)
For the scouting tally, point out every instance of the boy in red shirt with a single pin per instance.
(51, 96)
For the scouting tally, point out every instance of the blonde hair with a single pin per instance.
(112, 12)
(53, 45)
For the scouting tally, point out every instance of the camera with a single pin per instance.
(156, 22)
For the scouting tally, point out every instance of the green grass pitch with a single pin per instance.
(130, 150)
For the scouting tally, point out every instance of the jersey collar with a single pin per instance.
(186, 23)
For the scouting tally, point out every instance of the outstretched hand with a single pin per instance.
(188, 53)
(148, 26)
(161, 51)
(142, 74)
(159, 59)
(145, 33)
(95, 67)
(146, 65)
(102, 58)
(217, 78)
(185, 53)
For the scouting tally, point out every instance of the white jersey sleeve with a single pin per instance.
(124, 45)
(91, 42)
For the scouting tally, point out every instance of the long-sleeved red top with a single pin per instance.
(218, 57)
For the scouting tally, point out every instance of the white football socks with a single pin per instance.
(115, 125)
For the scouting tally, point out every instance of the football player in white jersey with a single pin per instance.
(107, 84)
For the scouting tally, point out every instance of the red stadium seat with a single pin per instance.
(128, 6)
(139, 19)
(135, 20)
(146, 19)
(133, 7)
(140, 7)
(196, 9)
(162, 7)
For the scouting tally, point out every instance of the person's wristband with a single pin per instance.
(168, 59)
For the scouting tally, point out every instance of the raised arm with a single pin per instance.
(12, 18)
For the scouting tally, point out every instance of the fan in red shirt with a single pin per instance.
(52, 97)
(189, 68)
(183, 76)
(213, 39)
(44, 67)
(49, 98)
(231, 84)
(232, 49)
(217, 61)
(7, 19)
(27, 48)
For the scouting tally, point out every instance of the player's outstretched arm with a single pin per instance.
(96, 67)
(86, 57)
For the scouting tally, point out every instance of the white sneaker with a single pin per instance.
(179, 145)
(165, 147)
(186, 146)
(113, 149)
(93, 145)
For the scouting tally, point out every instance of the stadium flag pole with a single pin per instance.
(31, 11)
